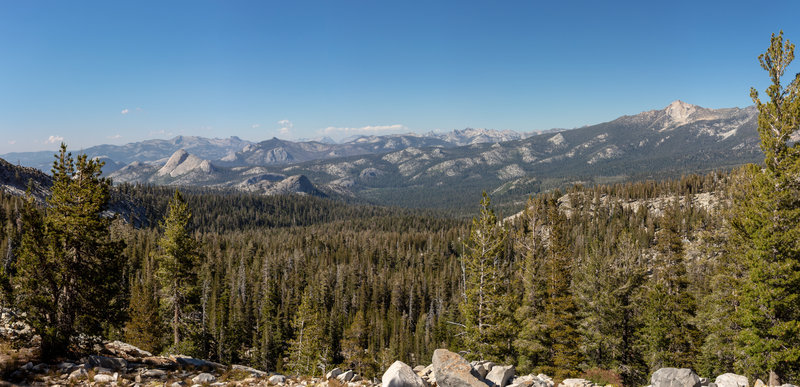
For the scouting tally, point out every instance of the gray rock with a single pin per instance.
(418, 369)
(346, 376)
(576, 383)
(277, 379)
(481, 369)
(112, 363)
(103, 378)
(759, 383)
(704, 381)
(451, 370)
(196, 363)
(732, 380)
(333, 373)
(126, 350)
(788, 385)
(774, 379)
(154, 374)
(204, 378)
(252, 371)
(675, 377)
(399, 374)
(80, 373)
(500, 375)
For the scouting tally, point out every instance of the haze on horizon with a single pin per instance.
(96, 72)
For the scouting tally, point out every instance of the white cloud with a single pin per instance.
(12, 142)
(54, 139)
(161, 132)
(116, 136)
(286, 126)
(125, 111)
(369, 129)
(254, 126)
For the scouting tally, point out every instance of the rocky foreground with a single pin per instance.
(121, 364)
(114, 363)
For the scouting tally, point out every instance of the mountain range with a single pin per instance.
(446, 170)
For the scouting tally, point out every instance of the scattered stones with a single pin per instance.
(400, 374)
(451, 370)
(675, 377)
(732, 380)
(80, 373)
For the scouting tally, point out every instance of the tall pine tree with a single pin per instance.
(70, 271)
(176, 273)
(486, 303)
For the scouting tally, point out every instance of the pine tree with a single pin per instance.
(70, 270)
(308, 349)
(354, 344)
(548, 338)
(669, 335)
(177, 273)
(485, 307)
(144, 329)
(767, 229)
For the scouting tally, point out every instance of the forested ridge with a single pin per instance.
(700, 272)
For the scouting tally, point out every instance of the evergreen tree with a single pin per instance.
(144, 329)
(308, 351)
(669, 335)
(608, 287)
(767, 230)
(485, 307)
(355, 346)
(70, 271)
(177, 273)
(548, 338)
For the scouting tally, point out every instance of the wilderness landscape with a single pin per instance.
(655, 248)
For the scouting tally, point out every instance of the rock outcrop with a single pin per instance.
(400, 374)
(451, 370)
(675, 377)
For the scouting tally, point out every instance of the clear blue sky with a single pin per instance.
(122, 71)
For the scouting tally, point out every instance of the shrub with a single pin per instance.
(603, 377)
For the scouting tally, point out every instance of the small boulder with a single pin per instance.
(774, 379)
(103, 378)
(80, 373)
(345, 376)
(419, 369)
(204, 378)
(253, 372)
(333, 373)
(125, 350)
(451, 370)
(675, 377)
(480, 368)
(155, 374)
(500, 375)
(732, 380)
(759, 383)
(575, 382)
(400, 374)
(277, 379)
(112, 363)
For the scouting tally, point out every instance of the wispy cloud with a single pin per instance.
(161, 132)
(254, 126)
(116, 136)
(54, 139)
(369, 129)
(125, 111)
(286, 127)
(12, 142)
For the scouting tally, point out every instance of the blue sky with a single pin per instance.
(122, 71)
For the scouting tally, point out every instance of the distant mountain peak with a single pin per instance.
(679, 111)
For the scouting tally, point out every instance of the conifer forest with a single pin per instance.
(699, 272)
